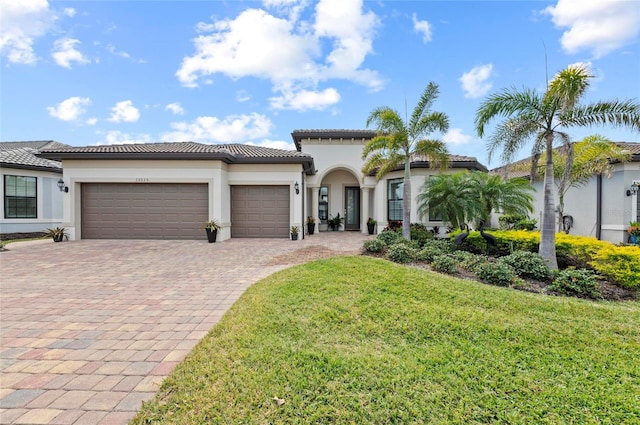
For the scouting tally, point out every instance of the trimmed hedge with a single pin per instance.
(620, 264)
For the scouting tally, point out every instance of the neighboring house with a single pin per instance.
(31, 200)
(604, 206)
(168, 190)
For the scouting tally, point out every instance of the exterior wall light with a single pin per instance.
(297, 188)
(633, 190)
(62, 186)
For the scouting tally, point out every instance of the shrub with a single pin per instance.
(374, 245)
(433, 248)
(580, 282)
(517, 222)
(444, 264)
(527, 264)
(401, 253)
(621, 264)
(467, 260)
(420, 234)
(389, 237)
(496, 274)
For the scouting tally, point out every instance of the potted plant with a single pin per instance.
(371, 225)
(294, 233)
(212, 227)
(335, 222)
(57, 233)
(311, 225)
(634, 232)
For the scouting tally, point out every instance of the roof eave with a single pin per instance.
(31, 167)
(59, 156)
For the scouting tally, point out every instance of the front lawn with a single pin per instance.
(357, 340)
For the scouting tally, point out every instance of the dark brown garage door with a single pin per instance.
(144, 211)
(259, 211)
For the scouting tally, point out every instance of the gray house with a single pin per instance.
(31, 199)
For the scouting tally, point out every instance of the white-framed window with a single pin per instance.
(394, 199)
(323, 203)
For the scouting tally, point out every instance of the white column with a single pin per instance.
(364, 209)
(314, 204)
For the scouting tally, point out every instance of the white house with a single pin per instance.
(32, 201)
(603, 207)
(168, 190)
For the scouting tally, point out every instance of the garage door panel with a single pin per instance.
(144, 211)
(260, 211)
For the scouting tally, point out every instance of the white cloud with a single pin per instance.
(305, 99)
(475, 82)
(65, 52)
(124, 111)
(231, 129)
(116, 137)
(69, 11)
(595, 25)
(423, 27)
(175, 107)
(455, 136)
(91, 121)
(284, 49)
(69, 109)
(21, 23)
(242, 96)
(112, 49)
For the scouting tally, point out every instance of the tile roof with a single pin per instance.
(24, 155)
(298, 135)
(633, 147)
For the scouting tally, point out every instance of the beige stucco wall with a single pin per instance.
(218, 175)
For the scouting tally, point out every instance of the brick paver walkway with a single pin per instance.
(89, 329)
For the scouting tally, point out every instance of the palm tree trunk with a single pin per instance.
(547, 248)
(406, 201)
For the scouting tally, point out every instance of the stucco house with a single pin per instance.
(31, 199)
(604, 206)
(168, 190)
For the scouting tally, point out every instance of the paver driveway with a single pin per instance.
(90, 328)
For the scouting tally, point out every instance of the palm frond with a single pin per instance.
(616, 113)
(507, 103)
(510, 136)
(568, 86)
(429, 95)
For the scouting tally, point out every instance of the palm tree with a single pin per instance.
(399, 141)
(593, 155)
(450, 198)
(464, 197)
(541, 117)
(512, 196)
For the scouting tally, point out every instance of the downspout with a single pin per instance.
(304, 190)
(598, 206)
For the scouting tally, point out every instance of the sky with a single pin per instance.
(110, 72)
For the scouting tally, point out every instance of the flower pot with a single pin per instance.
(294, 236)
(371, 228)
(311, 227)
(58, 238)
(634, 239)
(211, 235)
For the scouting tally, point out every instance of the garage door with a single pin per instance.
(260, 211)
(144, 211)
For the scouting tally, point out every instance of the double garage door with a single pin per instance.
(178, 211)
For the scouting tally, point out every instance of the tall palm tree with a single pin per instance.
(531, 116)
(398, 141)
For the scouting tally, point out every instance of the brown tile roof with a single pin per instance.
(298, 135)
(229, 153)
(23, 155)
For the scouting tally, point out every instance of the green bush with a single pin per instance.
(496, 274)
(389, 237)
(433, 248)
(527, 264)
(580, 282)
(420, 234)
(517, 222)
(401, 253)
(467, 260)
(444, 264)
(374, 245)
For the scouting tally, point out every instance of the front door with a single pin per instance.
(352, 208)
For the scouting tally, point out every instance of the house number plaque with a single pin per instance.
(142, 179)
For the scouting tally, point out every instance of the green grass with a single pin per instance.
(361, 340)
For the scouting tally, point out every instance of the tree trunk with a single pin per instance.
(547, 248)
(406, 201)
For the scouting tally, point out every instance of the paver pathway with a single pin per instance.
(89, 329)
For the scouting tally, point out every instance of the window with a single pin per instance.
(20, 197)
(394, 199)
(323, 203)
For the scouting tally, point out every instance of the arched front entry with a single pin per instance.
(337, 192)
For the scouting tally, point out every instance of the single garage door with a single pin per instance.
(260, 211)
(144, 210)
